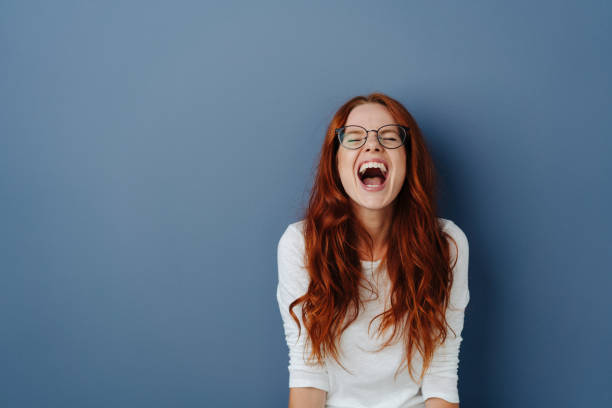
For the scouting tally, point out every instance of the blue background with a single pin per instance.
(152, 153)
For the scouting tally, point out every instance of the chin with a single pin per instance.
(371, 204)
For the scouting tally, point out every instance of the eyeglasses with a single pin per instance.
(389, 136)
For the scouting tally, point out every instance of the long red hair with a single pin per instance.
(417, 260)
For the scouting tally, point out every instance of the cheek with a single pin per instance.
(401, 178)
(401, 171)
(403, 174)
(345, 172)
(344, 166)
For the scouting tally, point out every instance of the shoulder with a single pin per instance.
(290, 253)
(293, 236)
(460, 295)
(452, 228)
(457, 234)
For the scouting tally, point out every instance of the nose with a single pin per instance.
(372, 142)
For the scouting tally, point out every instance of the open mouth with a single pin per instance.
(373, 178)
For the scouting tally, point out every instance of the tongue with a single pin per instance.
(373, 181)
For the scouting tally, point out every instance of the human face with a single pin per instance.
(371, 116)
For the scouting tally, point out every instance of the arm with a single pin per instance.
(307, 397)
(308, 383)
(440, 403)
(439, 386)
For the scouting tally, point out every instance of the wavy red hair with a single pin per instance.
(417, 262)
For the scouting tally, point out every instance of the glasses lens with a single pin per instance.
(392, 136)
(352, 137)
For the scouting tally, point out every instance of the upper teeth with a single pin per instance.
(372, 164)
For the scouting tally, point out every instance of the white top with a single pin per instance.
(371, 384)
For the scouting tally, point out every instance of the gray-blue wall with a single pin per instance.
(152, 153)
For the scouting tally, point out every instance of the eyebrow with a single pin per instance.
(392, 123)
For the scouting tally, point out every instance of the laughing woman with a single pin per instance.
(373, 285)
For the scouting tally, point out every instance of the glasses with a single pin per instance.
(389, 136)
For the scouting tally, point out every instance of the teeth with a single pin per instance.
(371, 164)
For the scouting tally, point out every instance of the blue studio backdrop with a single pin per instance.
(152, 153)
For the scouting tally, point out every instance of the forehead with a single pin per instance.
(369, 115)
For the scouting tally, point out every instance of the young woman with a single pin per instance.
(372, 284)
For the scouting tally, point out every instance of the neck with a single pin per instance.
(378, 225)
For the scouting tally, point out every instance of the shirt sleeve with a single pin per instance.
(441, 377)
(293, 280)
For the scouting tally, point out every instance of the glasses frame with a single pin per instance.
(365, 139)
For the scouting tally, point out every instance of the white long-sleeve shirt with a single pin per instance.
(370, 383)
